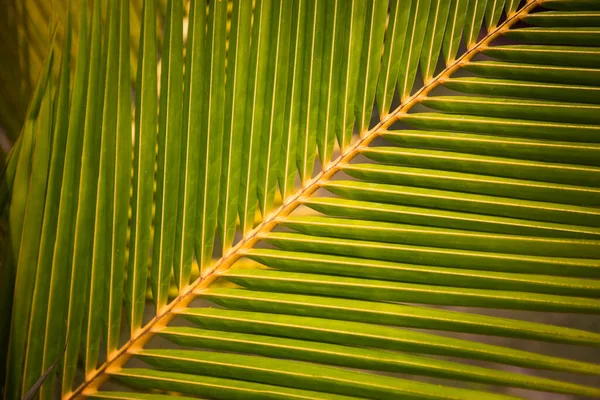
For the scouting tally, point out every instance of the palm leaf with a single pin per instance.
(412, 264)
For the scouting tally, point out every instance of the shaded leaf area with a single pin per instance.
(27, 28)
(488, 201)
(492, 201)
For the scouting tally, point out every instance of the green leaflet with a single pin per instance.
(353, 23)
(394, 315)
(432, 42)
(511, 7)
(370, 60)
(23, 162)
(474, 20)
(114, 177)
(169, 145)
(377, 211)
(121, 180)
(143, 163)
(359, 334)
(276, 94)
(359, 358)
(573, 5)
(411, 52)
(454, 29)
(33, 368)
(557, 36)
(330, 81)
(468, 259)
(87, 200)
(313, 57)
(517, 109)
(552, 55)
(457, 201)
(394, 271)
(395, 37)
(298, 375)
(211, 139)
(506, 127)
(385, 291)
(567, 19)
(190, 157)
(71, 176)
(210, 386)
(235, 111)
(555, 74)
(512, 88)
(493, 13)
(257, 82)
(440, 237)
(30, 182)
(496, 166)
(477, 184)
(292, 116)
(499, 145)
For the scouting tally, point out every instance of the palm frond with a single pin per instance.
(448, 209)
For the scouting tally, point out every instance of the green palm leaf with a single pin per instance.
(434, 253)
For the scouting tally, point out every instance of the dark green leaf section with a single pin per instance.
(572, 5)
(70, 175)
(25, 222)
(566, 19)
